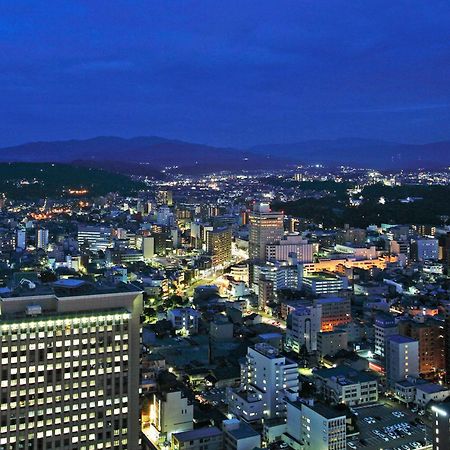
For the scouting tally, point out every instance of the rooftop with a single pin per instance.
(401, 339)
(197, 434)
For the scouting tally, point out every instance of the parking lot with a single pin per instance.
(385, 427)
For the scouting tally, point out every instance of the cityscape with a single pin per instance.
(157, 293)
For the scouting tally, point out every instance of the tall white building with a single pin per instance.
(70, 367)
(42, 238)
(402, 358)
(303, 324)
(21, 239)
(170, 413)
(266, 379)
(384, 326)
(266, 227)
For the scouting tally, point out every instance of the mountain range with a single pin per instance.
(152, 154)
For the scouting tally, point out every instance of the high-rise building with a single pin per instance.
(384, 326)
(266, 379)
(218, 244)
(303, 324)
(441, 426)
(21, 239)
(70, 367)
(402, 358)
(42, 238)
(266, 227)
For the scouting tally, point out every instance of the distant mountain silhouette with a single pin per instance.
(151, 154)
(363, 153)
(154, 152)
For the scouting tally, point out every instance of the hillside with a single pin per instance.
(25, 181)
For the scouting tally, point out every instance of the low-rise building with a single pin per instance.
(208, 438)
(345, 385)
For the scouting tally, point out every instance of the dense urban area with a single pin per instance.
(302, 309)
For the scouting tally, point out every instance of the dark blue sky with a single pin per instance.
(230, 72)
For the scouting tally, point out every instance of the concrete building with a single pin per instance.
(184, 320)
(170, 413)
(218, 245)
(335, 311)
(221, 329)
(208, 438)
(331, 342)
(239, 435)
(148, 247)
(265, 227)
(321, 283)
(441, 426)
(70, 358)
(303, 325)
(42, 238)
(427, 249)
(402, 358)
(315, 427)
(343, 384)
(430, 335)
(266, 292)
(384, 326)
(266, 378)
(292, 244)
(94, 237)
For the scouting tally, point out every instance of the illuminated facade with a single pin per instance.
(266, 227)
(70, 371)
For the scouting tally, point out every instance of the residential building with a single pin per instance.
(430, 335)
(266, 378)
(402, 358)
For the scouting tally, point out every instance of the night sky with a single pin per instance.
(225, 72)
